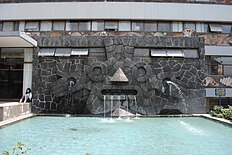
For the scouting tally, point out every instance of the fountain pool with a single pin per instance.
(145, 136)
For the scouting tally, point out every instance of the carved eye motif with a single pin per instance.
(98, 71)
(141, 72)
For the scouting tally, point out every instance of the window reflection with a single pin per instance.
(220, 65)
(137, 26)
(58, 25)
(11, 72)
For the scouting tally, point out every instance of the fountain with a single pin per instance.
(136, 107)
(111, 105)
(170, 83)
(71, 83)
(104, 107)
(119, 106)
(117, 67)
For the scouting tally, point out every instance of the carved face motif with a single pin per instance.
(142, 84)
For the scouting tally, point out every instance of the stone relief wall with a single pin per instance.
(77, 85)
(217, 80)
(218, 39)
(214, 39)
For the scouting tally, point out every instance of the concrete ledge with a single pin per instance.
(16, 119)
(9, 110)
(221, 120)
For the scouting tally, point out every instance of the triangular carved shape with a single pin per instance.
(119, 76)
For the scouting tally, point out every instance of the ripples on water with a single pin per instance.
(191, 128)
(124, 136)
(114, 120)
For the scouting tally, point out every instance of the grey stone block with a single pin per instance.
(108, 42)
(106, 54)
(139, 52)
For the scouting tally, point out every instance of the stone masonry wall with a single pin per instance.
(147, 90)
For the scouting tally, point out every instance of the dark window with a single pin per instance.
(215, 27)
(72, 26)
(137, 26)
(111, 25)
(224, 101)
(164, 26)
(1, 25)
(16, 26)
(124, 26)
(219, 65)
(45, 25)
(84, 26)
(58, 25)
(8, 26)
(32, 26)
(97, 25)
(190, 25)
(150, 26)
(226, 28)
(11, 73)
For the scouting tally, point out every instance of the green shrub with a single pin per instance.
(220, 112)
(227, 113)
(217, 111)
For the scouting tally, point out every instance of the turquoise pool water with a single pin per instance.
(145, 136)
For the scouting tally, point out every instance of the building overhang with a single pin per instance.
(16, 39)
(110, 11)
(218, 50)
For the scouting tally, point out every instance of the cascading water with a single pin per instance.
(163, 89)
(170, 83)
(104, 107)
(111, 105)
(119, 105)
(70, 85)
(136, 107)
(170, 89)
(127, 103)
(127, 108)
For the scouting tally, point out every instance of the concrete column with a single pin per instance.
(27, 69)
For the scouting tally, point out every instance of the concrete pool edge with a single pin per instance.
(220, 120)
(19, 118)
(15, 119)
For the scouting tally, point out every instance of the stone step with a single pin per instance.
(10, 110)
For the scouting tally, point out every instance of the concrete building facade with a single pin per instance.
(92, 57)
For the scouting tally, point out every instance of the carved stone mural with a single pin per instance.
(118, 77)
(187, 32)
(213, 81)
(210, 81)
